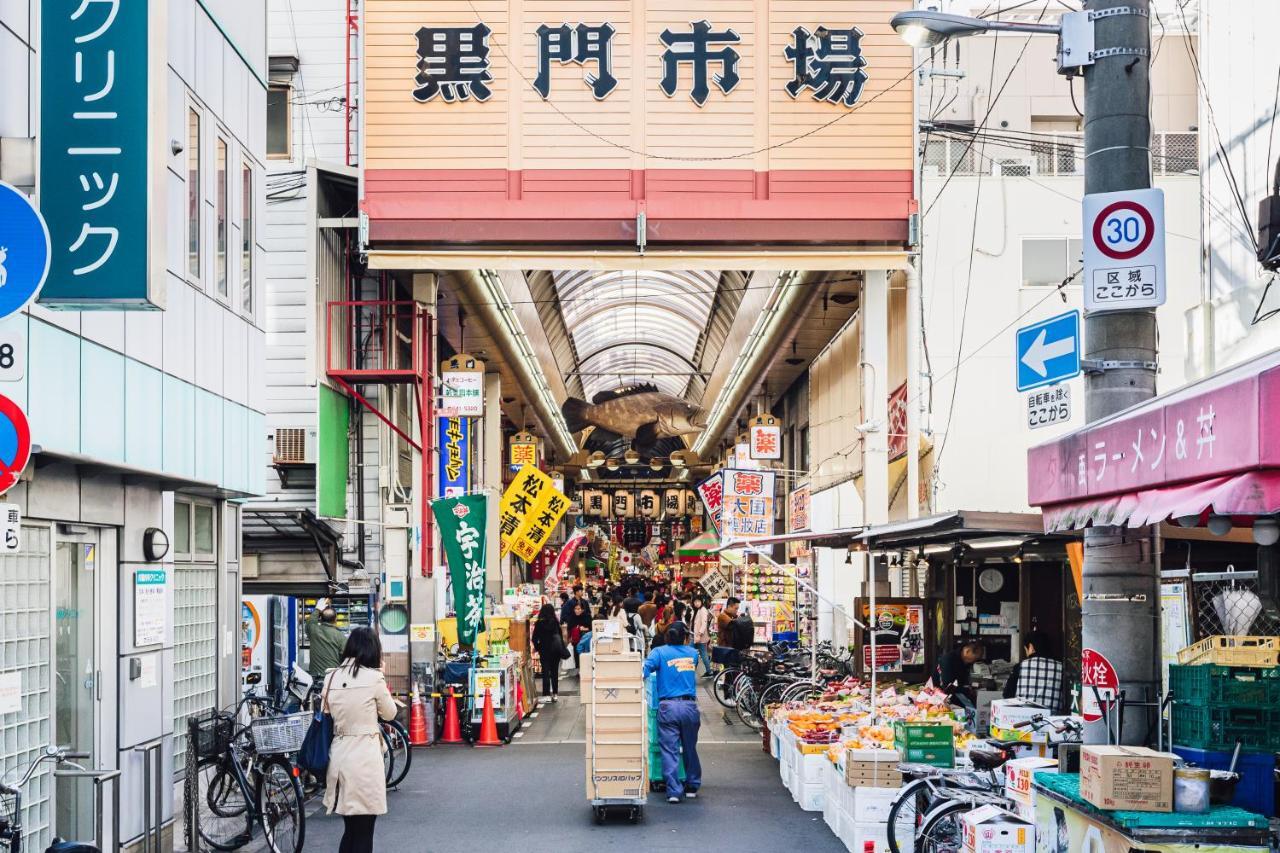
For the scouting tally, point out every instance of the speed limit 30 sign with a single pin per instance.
(1124, 250)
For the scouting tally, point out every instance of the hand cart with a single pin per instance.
(632, 806)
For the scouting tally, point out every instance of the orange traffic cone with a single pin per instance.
(519, 700)
(488, 723)
(452, 728)
(418, 721)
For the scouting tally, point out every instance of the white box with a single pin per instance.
(811, 798)
(810, 767)
(990, 829)
(1018, 775)
(871, 805)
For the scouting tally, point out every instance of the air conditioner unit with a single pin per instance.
(1014, 168)
(295, 445)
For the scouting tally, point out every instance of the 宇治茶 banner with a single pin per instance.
(462, 522)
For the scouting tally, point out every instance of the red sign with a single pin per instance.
(766, 441)
(15, 443)
(711, 490)
(1098, 681)
(888, 657)
(1140, 245)
(1226, 424)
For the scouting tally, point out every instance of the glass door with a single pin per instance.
(78, 675)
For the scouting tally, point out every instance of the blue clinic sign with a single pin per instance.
(455, 456)
(24, 250)
(99, 155)
(1049, 351)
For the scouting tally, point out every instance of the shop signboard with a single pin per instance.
(647, 504)
(463, 526)
(461, 387)
(530, 510)
(711, 491)
(765, 440)
(1175, 626)
(673, 503)
(103, 151)
(715, 582)
(716, 85)
(798, 519)
(560, 568)
(150, 607)
(490, 680)
(748, 505)
(10, 528)
(597, 503)
(899, 630)
(455, 456)
(623, 504)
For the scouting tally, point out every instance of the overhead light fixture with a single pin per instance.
(1266, 531)
(929, 29)
(677, 459)
(613, 464)
(1188, 520)
(1219, 525)
(843, 298)
(631, 456)
(655, 465)
(595, 460)
(990, 544)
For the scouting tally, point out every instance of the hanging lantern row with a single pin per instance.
(643, 503)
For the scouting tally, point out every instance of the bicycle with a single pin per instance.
(11, 819)
(927, 810)
(246, 777)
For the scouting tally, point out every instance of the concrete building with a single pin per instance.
(144, 424)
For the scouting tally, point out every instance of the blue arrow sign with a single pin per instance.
(24, 250)
(1049, 351)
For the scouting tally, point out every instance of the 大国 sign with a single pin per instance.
(748, 505)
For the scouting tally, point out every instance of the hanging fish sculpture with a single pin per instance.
(640, 412)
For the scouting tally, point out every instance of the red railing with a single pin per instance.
(372, 341)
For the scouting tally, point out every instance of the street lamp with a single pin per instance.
(929, 29)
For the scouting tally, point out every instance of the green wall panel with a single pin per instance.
(334, 454)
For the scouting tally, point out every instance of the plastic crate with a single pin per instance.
(943, 755)
(1256, 790)
(1228, 650)
(1213, 684)
(1220, 727)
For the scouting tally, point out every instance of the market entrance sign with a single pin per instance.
(102, 157)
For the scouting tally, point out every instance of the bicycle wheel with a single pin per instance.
(803, 690)
(941, 830)
(720, 686)
(907, 814)
(280, 806)
(748, 706)
(398, 756)
(222, 806)
(772, 695)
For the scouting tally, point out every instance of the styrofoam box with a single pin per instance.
(810, 768)
(871, 805)
(810, 798)
(858, 833)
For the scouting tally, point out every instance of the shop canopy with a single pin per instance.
(1212, 447)
(841, 538)
(997, 529)
(703, 543)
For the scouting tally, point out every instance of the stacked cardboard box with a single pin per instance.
(613, 695)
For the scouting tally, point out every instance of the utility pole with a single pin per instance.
(1120, 618)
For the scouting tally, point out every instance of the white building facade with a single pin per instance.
(146, 425)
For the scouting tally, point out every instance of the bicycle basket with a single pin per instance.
(279, 734)
(211, 734)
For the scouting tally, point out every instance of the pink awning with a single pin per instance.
(1248, 494)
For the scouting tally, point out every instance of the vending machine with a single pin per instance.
(255, 642)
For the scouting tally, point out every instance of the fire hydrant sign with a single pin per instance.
(1123, 250)
(1098, 681)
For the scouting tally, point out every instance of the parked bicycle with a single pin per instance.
(778, 675)
(247, 779)
(11, 829)
(925, 816)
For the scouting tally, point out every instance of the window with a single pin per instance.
(193, 195)
(246, 238)
(204, 531)
(278, 123)
(181, 528)
(220, 212)
(1046, 261)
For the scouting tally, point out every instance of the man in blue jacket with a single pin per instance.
(676, 667)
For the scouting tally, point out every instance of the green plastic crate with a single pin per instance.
(938, 756)
(923, 734)
(1206, 684)
(1221, 727)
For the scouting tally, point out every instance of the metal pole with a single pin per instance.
(913, 390)
(1118, 612)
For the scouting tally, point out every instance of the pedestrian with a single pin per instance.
(356, 694)
(579, 625)
(662, 621)
(635, 625)
(566, 607)
(701, 623)
(724, 634)
(675, 665)
(326, 640)
(549, 644)
(1038, 677)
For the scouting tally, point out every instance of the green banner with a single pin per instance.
(463, 522)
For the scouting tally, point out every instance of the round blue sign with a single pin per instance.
(24, 250)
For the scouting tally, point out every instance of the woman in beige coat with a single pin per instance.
(356, 695)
